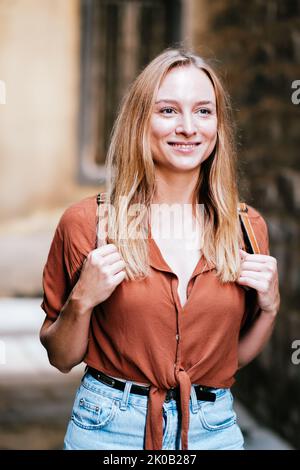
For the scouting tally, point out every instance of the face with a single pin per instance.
(183, 127)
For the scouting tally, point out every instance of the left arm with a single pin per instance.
(259, 272)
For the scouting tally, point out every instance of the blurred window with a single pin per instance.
(118, 37)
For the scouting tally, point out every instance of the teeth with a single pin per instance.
(184, 146)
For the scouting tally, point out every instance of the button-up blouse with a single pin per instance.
(141, 332)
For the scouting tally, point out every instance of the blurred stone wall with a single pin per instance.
(39, 63)
(257, 47)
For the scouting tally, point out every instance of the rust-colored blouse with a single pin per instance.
(141, 332)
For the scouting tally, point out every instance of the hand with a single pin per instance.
(260, 273)
(102, 271)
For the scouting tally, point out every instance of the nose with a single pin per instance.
(186, 125)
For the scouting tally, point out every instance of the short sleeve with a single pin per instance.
(73, 239)
(260, 229)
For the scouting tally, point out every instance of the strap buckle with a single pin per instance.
(242, 207)
(101, 197)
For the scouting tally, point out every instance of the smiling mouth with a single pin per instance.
(184, 147)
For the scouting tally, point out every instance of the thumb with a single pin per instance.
(243, 253)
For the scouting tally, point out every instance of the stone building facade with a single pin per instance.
(257, 45)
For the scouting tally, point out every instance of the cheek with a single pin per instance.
(161, 128)
(209, 129)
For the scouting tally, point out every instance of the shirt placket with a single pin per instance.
(178, 310)
(181, 376)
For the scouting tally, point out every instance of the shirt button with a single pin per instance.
(175, 365)
(177, 337)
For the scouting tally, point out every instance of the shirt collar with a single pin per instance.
(157, 261)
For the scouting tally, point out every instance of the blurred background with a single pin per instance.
(64, 66)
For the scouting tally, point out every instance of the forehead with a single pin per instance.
(186, 83)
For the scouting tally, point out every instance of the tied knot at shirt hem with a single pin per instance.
(154, 422)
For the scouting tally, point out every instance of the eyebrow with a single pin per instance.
(176, 102)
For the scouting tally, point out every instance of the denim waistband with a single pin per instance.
(92, 384)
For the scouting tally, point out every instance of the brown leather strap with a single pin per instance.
(101, 222)
(248, 232)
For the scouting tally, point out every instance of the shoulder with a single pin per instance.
(77, 225)
(256, 217)
(253, 213)
(79, 214)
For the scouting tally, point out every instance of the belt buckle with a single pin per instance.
(107, 380)
(206, 393)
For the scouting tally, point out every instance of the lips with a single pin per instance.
(184, 143)
(184, 146)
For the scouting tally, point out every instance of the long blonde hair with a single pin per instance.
(131, 171)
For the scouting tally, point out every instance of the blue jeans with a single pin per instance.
(104, 418)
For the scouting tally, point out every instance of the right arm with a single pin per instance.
(66, 338)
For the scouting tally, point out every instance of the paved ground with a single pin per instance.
(36, 399)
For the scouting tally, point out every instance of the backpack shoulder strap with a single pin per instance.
(101, 222)
(247, 229)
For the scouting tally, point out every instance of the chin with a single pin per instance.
(185, 166)
(185, 163)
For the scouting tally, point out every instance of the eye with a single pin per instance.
(204, 111)
(168, 110)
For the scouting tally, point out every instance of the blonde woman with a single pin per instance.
(158, 319)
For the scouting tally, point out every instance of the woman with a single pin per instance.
(158, 320)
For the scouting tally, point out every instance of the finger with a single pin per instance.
(117, 267)
(253, 266)
(252, 274)
(119, 277)
(111, 258)
(250, 282)
(106, 249)
(254, 257)
(261, 285)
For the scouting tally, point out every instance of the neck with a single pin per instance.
(175, 188)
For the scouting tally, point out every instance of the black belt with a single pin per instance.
(202, 392)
